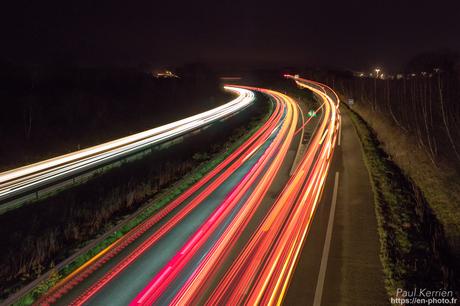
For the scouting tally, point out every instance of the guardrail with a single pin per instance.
(32, 182)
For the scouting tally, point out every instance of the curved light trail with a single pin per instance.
(239, 251)
(28, 178)
(210, 182)
(262, 272)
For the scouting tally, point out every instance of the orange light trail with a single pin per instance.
(263, 266)
(280, 146)
(261, 273)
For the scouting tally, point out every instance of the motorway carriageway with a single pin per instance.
(28, 179)
(191, 251)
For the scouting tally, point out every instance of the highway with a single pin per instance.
(27, 179)
(261, 273)
(235, 236)
(339, 263)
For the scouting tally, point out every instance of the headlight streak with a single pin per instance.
(23, 179)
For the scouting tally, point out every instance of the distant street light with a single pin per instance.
(377, 70)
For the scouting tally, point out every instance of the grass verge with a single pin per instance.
(413, 246)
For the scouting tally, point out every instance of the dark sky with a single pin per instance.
(347, 34)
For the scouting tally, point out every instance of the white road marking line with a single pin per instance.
(327, 245)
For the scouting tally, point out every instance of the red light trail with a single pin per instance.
(263, 266)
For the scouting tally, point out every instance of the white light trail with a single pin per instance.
(20, 180)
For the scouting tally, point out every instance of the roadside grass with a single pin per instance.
(413, 250)
(154, 205)
(439, 184)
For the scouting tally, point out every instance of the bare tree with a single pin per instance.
(444, 117)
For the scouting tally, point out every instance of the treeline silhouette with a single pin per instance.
(48, 111)
(423, 102)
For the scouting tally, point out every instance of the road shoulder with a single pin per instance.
(354, 273)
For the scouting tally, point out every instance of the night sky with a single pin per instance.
(345, 34)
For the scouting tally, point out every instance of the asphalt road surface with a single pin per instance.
(350, 273)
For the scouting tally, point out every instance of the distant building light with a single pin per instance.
(165, 74)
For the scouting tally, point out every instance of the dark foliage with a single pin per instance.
(48, 112)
